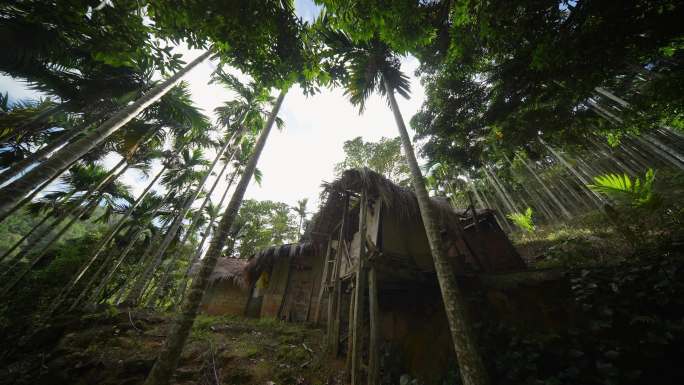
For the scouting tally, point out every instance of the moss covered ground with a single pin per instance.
(118, 346)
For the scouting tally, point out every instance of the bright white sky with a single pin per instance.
(297, 160)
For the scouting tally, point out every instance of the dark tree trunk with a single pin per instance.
(470, 363)
(167, 361)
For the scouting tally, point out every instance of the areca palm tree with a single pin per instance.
(372, 67)
(15, 191)
(102, 243)
(139, 228)
(87, 97)
(107, 189)
(57, 205)
(83, 182)
(188, 178)
(195, 222)
(213, 212)
(169, 354)
(174, 114)
(301, 211)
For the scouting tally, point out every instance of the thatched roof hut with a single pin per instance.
(264, 259)
(282, 280)
(226, 270)
(401, 200)
(227, 293)
(321, 279)
(399, 229)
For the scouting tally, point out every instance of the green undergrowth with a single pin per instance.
(619, 324)
(118, 347)
(623, 230)
(594, 239)
(583, 241)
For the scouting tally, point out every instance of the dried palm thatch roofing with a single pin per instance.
(394, 197)
(227, 269)
(399, 199)
(264, 259)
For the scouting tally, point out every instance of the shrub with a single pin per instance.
(523, 220)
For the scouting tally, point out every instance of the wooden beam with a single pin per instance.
(374, 345)
(334, 294)
(286, 291)
(359, 292)
(476, 220)
(324, 281)
(350, 330)
(249, 299)
(335, 347)
(331, 303)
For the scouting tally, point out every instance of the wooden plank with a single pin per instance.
(333, 305)
(350, 330)
(359, 292)
(283, 301)
(374, 345)
(335, 347)
(249, 299)
(324, 282)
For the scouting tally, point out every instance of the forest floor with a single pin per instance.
(119, 347)
(584, 241)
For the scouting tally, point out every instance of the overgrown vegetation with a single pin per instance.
(523, 220)
(114, 347)
(625, 323)
(555, 114)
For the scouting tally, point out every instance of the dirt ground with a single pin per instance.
(119, 347)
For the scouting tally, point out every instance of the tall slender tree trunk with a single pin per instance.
(207, 233)
(142, 282)
(167, 361)
(98, 291)
(470, 362)
(14, 192)
(149, 261)
(64, 215)
(190, 230)
(101, 246)
(35, 192)
(79, 213)
(548, 192)
(25, 237)
(145, 258)
(39, 156)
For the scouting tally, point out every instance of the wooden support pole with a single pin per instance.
(359, 292)
(324, 282)
(374, 345)
(286, 292)
(334, 295)
(331, 302)
(335, 347)
(350, 330)
(476, 220)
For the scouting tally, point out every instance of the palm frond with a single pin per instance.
(523, 220)
(623, 190)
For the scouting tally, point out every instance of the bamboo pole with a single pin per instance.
(374, 345)
(359, 292)
(313, 288)
(333, 329)
(287, 288)
(324, 280)
(337, 316)
(350, 330)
